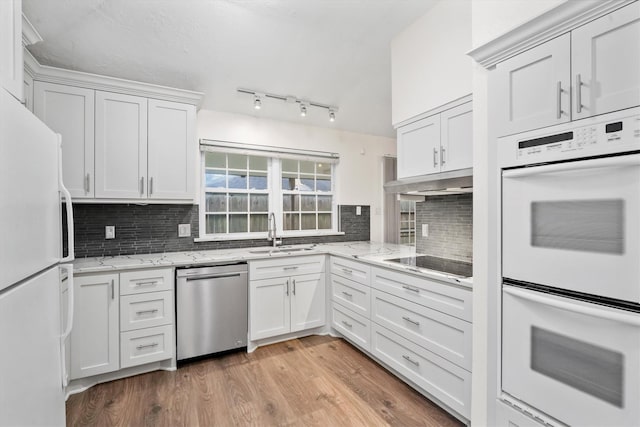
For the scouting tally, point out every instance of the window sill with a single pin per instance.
(264, 237)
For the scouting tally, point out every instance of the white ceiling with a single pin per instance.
(334, 52)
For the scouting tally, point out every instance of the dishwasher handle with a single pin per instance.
(213, 276)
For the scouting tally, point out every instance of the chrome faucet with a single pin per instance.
(271, 230)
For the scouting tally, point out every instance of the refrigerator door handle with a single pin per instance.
(69, 325)
(67, 196)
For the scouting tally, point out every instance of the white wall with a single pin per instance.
(490, 18)
(429, 67)
(358, 175)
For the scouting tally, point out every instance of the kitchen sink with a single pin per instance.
(280, 249)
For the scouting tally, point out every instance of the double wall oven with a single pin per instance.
(571, 271)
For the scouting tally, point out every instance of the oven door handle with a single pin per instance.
(607, 162)
(576, 308)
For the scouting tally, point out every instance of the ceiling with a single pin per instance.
(333, 52)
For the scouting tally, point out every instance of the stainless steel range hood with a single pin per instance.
(451, 182)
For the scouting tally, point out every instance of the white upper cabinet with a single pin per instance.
(171, 150)
(68, 111)
(419, 147)
(11, 66)
(439, 143)
(592, 70)
(534, 87)
(606, 63)
(121, 146)
(456, 130)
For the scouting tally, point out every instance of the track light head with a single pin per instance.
(332, 115)
(257, 102)
(303, 110)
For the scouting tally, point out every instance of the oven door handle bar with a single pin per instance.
(606, 162)
(575, 308)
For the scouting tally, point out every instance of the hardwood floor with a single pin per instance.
(312, 381)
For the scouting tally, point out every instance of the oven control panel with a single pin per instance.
(599, 135)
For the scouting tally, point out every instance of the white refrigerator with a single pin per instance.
(33, 328)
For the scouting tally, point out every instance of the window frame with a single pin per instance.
(274, 190)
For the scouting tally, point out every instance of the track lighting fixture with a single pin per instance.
(259, 97)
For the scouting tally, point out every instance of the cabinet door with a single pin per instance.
(121, 146)
(606, 63)
(307, 302)
(11, 66)
(69, 111)
(419, 147)
(533, 88)
(95, 335)
(456, 127)
(269, 313)
(172, 150)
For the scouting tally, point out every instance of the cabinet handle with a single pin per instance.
(347, 324)
(410, 360)
(151, 186)
(113, 290)
(410, 320)
(155, 310)
(435, 157)
(291, 268)
(151, 283)
(347, 294)
(141, 185)
(294, 286)
(578, 93)
(559, 101)
(87, 184)
(442, 152)
(140, 347)
(346, 270)
(287, 287)
(411, 288)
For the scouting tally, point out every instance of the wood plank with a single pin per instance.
(313, 381)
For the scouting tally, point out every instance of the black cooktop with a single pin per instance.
(449, 266)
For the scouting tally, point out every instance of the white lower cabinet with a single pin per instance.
(121, 320)
(444, 380)
(352, 326)
(281, 301)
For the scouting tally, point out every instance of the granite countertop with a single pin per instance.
(371, 252)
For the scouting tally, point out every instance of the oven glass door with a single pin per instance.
(575, 226)
(563, 356)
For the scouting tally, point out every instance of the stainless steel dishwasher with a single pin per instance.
(211, 309)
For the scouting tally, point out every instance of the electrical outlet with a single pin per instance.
(110, 232)
(184, 230)
(425, 230)
(358, 210)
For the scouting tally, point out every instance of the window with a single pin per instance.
(240, 189)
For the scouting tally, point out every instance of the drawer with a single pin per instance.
(146, 345)
(146, 310)
(151, 280)
(286, 266)
(444, 335)
(507, 415)
(352, 326)
(352, 295)
(448, 383)
(354, 270)
(439, 296)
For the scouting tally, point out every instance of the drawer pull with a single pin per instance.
(140, 347)
(410, 320)
(295, 267)
(155, 310)
(347, 294)
(410, 360)
(346, 270)
(411, 288)
(347, 324)
(151, 283)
